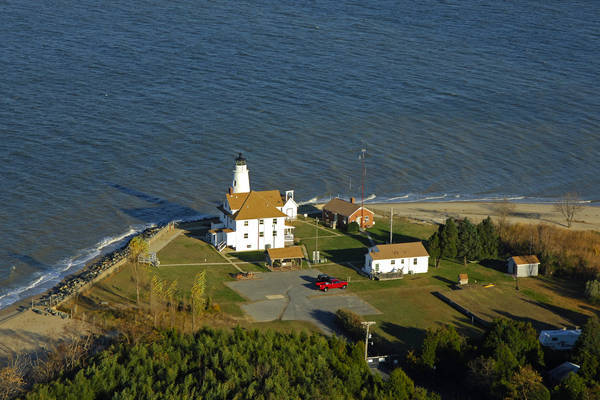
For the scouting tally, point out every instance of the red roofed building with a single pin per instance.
(338, 213)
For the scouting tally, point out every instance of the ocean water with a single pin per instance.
(118, 115)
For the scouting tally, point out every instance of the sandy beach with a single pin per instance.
(587, 218)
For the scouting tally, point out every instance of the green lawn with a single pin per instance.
(407, 305)
(188, 249)
(403, 230)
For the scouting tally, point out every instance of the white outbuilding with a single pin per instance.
(523, 266)
(397, 258)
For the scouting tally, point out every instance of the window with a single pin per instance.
(245, 223)
(377, 268)
(274, 233)
(366, 218)
(261, 221)
(245, 236)
(274, 221)
(415, 261)
(262, 234)
(393, 262)
(248, 246)
(402, 261)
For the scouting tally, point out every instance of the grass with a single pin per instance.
(407, 306)
(188, 249)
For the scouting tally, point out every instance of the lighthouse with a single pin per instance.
(241, 180)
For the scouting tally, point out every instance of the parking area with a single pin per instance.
(294, 296)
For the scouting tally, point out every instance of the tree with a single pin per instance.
(592, 290)
(12, 380)
(573, 387)
(587, 351)
(504, 209)
(157, 296)
(520, 338)
(568, 205)
(488, 238)
(468, 241)
(526, 384)
(434, 249)
(442, 350)
(137, 246)
(449, 238)
(198, 300)
(171, 292)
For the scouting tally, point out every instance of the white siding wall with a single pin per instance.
(290, 209)
(254, 241)
(407, 267)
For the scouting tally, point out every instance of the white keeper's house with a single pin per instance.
(397, 258)
(251, 219)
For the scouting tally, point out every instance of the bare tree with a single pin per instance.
(504, 209)
(568, 205)
(12, 382)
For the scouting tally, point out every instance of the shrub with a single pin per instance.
(592, 290)
(350, 323)
(352, 227)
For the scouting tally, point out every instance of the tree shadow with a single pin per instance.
(162, 211)
(327, 319)
(495, 264)
(537, 324)
(591, 309)
(576, 318)
(408, 338)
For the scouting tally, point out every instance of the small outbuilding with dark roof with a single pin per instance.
(338, 213)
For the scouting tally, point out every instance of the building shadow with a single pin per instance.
(162, 210)
(310, 210)
(450, 283)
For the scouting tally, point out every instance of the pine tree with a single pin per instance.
(434, 249)
(468, 241)
(488, 237)
(449, 239)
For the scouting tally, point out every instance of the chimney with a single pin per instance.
(352, 200)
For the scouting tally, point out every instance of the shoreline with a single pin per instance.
(587, 217)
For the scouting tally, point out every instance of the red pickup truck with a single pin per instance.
(325, 282)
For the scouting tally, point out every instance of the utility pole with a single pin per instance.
(367, 324)
(317, 257)
(391, 220)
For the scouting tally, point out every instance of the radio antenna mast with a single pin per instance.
(362, 156)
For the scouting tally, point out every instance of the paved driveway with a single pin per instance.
(294, 296)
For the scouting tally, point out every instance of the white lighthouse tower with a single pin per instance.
(241, 180)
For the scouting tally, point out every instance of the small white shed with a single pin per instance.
(406, 258)
(523, 266)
